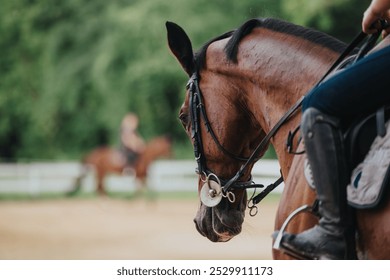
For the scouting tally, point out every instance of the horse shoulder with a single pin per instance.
(295, 194)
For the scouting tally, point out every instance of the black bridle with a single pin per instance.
(198, 112)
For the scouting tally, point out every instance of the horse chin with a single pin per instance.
(222, 222)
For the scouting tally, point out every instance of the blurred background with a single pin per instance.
(69, 72)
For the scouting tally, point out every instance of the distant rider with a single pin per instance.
(132, 144)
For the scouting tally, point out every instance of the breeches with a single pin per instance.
(361, 88)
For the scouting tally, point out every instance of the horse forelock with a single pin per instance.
(277, 25)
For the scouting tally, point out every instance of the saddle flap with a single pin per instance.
(360, 136)
(371, 177)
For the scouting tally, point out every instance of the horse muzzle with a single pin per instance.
(222, 222)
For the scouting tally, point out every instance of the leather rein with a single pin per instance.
(198, 112)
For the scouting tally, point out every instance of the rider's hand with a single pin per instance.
(370, 23)
(386, 31)
(379, 9)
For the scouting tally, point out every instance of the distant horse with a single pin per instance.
(241, 84)
(107, 160)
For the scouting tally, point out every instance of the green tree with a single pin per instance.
(71, 69)
(340, 18)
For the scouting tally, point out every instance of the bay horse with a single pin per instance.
(107, 160)
(241, 84)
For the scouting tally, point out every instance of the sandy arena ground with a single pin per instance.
(113, 228)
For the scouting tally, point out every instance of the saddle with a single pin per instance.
(368, 149)
(361, 134)
(367, 145)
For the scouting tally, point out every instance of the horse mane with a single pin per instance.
(200, 56)
(277, 25)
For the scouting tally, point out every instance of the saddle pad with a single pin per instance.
(371, 177)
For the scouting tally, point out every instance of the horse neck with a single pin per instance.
(273, 85)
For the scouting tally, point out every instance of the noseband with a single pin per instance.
(215, 188)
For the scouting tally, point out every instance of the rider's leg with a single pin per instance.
(324, 148)
(355, 91)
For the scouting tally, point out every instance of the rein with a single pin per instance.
(216, 188)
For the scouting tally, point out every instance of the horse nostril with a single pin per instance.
(198, 228)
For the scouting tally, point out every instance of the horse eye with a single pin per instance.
(184, 119)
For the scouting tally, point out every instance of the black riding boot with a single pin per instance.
(325, 153)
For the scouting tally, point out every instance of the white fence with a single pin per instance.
(164, 175)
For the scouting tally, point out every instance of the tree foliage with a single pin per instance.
(340, 18)
(70, 70)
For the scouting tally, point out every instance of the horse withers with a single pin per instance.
(241, 84)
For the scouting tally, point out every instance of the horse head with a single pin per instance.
(223, 133)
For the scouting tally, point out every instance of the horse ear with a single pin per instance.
(181, 47)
